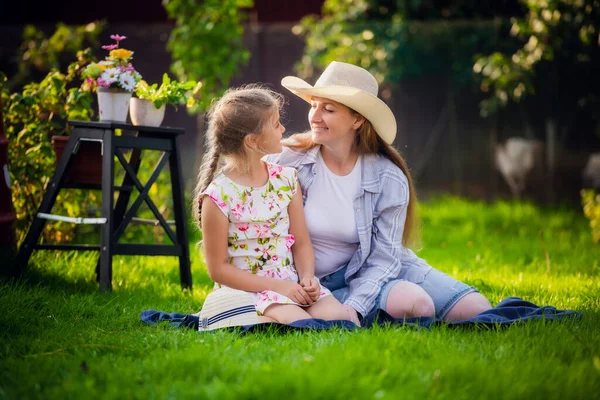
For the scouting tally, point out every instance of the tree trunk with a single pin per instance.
(8, 239)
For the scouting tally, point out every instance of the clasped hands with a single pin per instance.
(305, 292)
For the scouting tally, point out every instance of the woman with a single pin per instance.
(360, 204)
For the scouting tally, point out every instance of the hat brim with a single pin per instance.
(371, 107)
(226, 307)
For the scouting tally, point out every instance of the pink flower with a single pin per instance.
(261, 230)
(264, 252)
(238, 209)
(270, 274)
(262, 296)
(110, 46)
(127, 68)
(244, 227)
(219, 203)
(118, 38)
(276, 170)
(102, 82)
(289, 241)
(271, 201)
(275, 258)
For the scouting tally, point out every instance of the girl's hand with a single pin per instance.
(312, 287)
(294, 291)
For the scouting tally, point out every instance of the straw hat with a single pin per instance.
(353, 87)
(226, 307)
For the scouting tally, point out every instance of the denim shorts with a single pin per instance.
(442, 288)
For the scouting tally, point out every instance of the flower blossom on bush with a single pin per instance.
(116, 70)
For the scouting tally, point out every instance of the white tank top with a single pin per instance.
(330, 217)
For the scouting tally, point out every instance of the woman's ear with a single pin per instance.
(358, 121)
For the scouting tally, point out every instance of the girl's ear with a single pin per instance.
(251, 141)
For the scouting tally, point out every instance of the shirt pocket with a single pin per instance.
(414, 273)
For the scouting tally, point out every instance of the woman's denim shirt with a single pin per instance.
(380, 207)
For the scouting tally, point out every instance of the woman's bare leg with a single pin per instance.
(285, 313)
(467, 307)
(407, 300)
(328, 308)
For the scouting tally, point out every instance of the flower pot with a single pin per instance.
(143, 112)
(86, 167)
(113, 104)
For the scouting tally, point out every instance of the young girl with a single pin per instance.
(254, 234)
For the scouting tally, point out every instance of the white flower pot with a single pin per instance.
(113, 104)
(143, 112)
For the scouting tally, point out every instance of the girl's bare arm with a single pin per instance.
(214, 237)
(304, 255)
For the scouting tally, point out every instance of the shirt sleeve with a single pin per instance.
(287, 157)
(383, 262)
(273, 158)
(294, 181)
(217, 194)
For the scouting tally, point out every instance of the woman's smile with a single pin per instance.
(319, 129)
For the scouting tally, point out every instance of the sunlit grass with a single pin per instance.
(60, 338)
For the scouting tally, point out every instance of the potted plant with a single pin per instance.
(115, 79)
(148, 108)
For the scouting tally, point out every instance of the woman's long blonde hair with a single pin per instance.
(369, 142)
(239, 112)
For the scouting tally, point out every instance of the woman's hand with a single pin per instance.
(352, 314)
(312, 287)
(294, 291)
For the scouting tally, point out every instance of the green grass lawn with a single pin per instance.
(61, 339)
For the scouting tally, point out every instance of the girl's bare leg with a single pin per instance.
(285, 313)
(328, 308)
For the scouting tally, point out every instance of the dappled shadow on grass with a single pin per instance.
(504, 216)
(52, 281)
(64, 271)
(57, 283)
(154, 278)
(45, 310)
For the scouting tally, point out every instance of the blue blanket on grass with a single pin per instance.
(509, 311)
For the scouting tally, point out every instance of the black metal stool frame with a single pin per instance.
(116, 219)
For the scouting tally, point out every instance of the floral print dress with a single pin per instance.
(259, 240)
